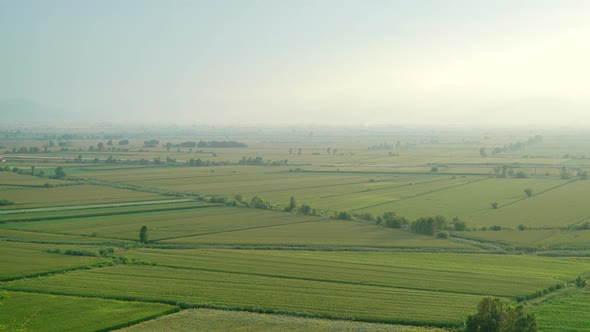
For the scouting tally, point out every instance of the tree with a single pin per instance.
(60, 173)
(564, 173)
(259, 203)
(390, 219)
(482, 152)
(459, 224)
(143, 234)
(494, 316)
(494, 205)
(292, 205)
(305, 209)
(528, 192)
(580, 283)
(428, 225)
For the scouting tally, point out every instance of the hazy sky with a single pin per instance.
(352, 62)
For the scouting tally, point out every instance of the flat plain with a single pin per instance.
(226, 249)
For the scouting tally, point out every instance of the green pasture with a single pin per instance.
(219, 320)
(43, 312)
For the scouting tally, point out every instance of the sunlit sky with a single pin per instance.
(290, 62)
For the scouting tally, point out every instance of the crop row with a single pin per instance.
(165, 224)
(500, 275)
(204, 288)
(22, 259)
(43, 312)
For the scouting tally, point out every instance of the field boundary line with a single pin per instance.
(172, 310)
(397, 173)
(313, 247)
(114, 244)
(535, 195)
(363, 284)
(417, 195)
(237, 230)
(394, 186)
(110, 213)
(54, 272)
(93, 206)
(579, 222)
(253, 309)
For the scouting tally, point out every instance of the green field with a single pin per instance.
(501, 275)
(70, 247)
(71, 195)
(564, 313)
(555, 202)
(44, 312)
(23, 259)
(252, 292)
(540, 239)
(322, 233)
(218, 320)
(435, 289)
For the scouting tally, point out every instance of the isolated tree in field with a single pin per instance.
(143, 234)
(493, 316)
(528, 192)
(59, 173)
(494, 205)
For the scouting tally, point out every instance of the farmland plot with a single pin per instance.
(44, 312)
